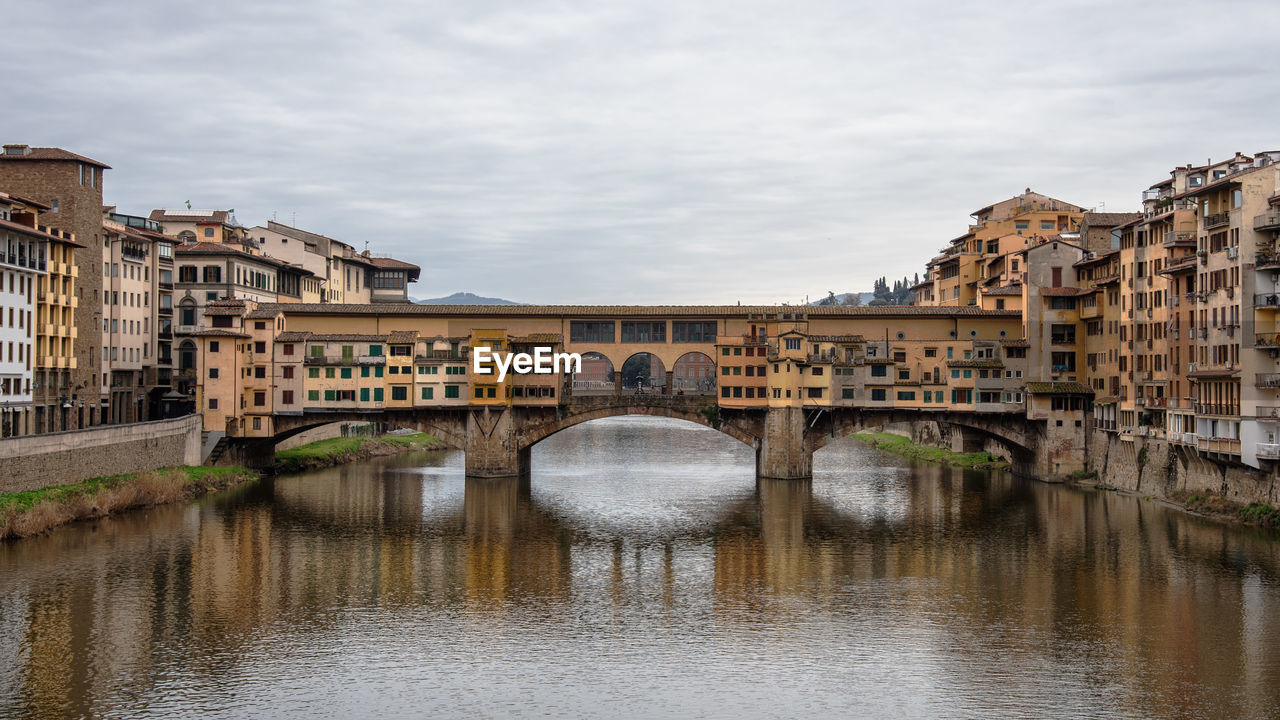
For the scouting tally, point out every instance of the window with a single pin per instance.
(399, 392)
(428, 393)
(590, 331)
(313, 372)
(877, 394)
(364, 394)
(644, 331)
(817, 371)
(313, 395)
(879, 371)
(211, 274)
(259, 399)
(213, 403)
(330, 373)
(931, 352)
(377, 394)
(260, 347)
(703, 332)
(845, 393)
(288, 349)
(1046, 225)
(451, 391)
(213, 373)
(906, 395)
(375, 350)
(286, 397)
(793, 343)
(401, 350)
(208, 232)
(186, 273)
(346, 373)
(260, 372)
(317, 351)
(329, 395)
(286, 372)
(1021, 225)
(213, 346)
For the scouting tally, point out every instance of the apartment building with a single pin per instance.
(70, 185)
(24, 252)
(341, 275)
(986, 255)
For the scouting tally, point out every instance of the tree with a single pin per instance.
(852, 299)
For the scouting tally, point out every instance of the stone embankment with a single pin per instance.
(1178, 474)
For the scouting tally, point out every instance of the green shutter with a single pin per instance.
(346, 373)
(377, 394)
(364, 394)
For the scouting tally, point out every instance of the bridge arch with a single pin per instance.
(534, 434)
(694, 373)
(643, 370)
(595, 375)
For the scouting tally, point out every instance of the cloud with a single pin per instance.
(638, 152)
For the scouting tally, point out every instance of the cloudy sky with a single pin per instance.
(657, 152)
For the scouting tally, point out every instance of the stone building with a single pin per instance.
(71, 185)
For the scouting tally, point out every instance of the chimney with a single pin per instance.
(17, 150)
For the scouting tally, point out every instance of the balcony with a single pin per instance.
(1267, 261)
(1230, 446)
(1267, 300)
(1180, 238)
(1269, 451)
(1266, 340)
(1267, 221)
(1062, 340)
(1216, 220)
(1224, 409)
(164, 312)
(1268, 381)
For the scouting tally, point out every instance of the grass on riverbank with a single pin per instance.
(899, 445)
(1254, 513)
(335, 451)
(23, 514)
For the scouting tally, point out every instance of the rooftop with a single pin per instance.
(24, 152)
(743, 311)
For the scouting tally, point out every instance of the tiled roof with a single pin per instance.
(48, 153)
(539, 338)
(1059, 388)
(220, 332)
(1098, 257)
(270, 310)
(403, 336)
(292, 337)
(1214, 373)
(386, 263)
(207, 217)
(36, 232)
(1015, 343)
(837, 338)
(346, 337)
(223, 310)
(1003, 291)
(576, 311)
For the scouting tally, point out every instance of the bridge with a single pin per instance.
(782, 380)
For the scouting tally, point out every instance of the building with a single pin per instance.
(24, 253)
(71, 186)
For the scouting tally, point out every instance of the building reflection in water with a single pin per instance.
(982, 575)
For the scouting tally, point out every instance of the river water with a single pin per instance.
(643, 571)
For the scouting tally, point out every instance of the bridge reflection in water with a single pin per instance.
(637, 557)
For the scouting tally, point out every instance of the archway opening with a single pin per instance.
(694, 374)
(595, 376)
(644, 373)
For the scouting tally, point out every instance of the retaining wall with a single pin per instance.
(35, 461)
(1152, 466)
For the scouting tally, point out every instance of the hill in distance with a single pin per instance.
(465, 298)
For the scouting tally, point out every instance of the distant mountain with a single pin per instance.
(465, 298)
(840, 298)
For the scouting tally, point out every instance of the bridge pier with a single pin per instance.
(493, 447)
(782, 453)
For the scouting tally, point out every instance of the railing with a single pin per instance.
(1267, 412)
(1267, 261)
(1267, 221)
(749, 339)
(1217, 409)
(1221, 445)
(1060, 369)
(1269, 451)
(1062, 340)
(1216, 220)
(1174, 238)
(1270, 300)
(1267, 380)
(1266, 340)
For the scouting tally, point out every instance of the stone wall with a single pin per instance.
(35, 461)
(1151, 466)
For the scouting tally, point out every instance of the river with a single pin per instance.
(643, 571)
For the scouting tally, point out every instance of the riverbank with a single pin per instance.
(337, 451)
(899, 445)
(23, 514)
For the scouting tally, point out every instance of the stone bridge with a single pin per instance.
(498, 440)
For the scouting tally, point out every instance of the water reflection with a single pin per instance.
(643, 570)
